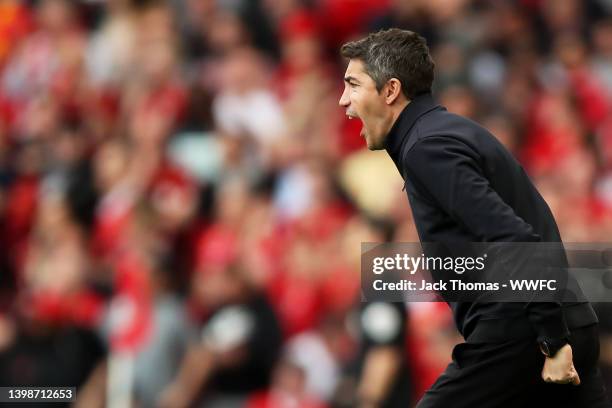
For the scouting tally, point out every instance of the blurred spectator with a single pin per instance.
(39, 350)
(110, 51)
(32, 69)
(602, 59)
(246, 110)
(239, 342)
(320, 354)
(16, 24)
(288, 390)
(381, 375)
(158, 360)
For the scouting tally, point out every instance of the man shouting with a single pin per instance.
(464, 186)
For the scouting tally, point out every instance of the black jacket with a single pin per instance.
(464, 186)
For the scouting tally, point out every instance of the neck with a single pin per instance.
(403, 121)
(397, 111)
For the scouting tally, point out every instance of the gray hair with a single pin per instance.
(394, 53)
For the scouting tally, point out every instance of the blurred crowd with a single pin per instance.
(183, 200)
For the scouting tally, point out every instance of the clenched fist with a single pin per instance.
(560, 368)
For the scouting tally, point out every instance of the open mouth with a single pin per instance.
(352, 116)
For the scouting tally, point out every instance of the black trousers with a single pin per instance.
(508, 374)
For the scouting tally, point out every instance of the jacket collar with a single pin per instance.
(398, 134)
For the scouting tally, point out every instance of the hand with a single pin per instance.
(366, 403)
(560, 368)
(174, 396)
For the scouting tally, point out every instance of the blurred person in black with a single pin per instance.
(382, 371)
(52, 325)
(604, 311)
(239, 344)
(380, 374)
(464, 186)
(40, 349)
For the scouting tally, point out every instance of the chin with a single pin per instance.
(373, 146)
(372, 142)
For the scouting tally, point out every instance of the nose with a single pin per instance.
(344, 99)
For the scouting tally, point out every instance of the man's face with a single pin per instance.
(363, 101)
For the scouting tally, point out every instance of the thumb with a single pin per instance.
(576, 377)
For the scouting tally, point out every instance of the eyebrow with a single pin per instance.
(350, 78)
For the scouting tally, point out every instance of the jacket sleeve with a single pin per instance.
(451, 174)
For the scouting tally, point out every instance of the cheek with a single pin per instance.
(357, 100)
(368, 106)
(354, 98)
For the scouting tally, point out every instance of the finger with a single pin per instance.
(564, 380)
(575, 378)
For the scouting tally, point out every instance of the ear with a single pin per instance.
(392, 90)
